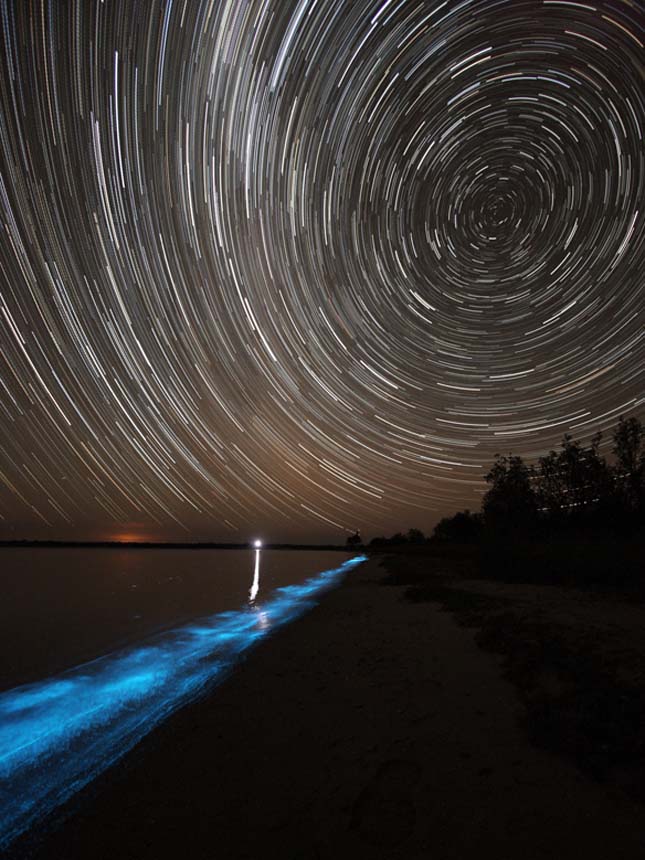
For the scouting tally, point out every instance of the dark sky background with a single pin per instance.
(295, 268)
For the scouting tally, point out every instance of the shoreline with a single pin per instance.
(63, 610)
(59, 734)
(371, 727)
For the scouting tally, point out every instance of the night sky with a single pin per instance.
(287, 269)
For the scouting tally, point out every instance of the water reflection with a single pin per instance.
(263, 617)
(255, 587)
(264, 620)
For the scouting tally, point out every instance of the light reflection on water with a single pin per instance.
(255, 587)
(58, 734)
(63, 607)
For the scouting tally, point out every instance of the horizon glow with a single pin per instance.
(58, 734)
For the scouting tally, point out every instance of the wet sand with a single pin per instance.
(370, 728)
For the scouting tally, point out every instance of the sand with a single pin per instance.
(370, 728)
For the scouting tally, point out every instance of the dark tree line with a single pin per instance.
(463, 527)
(574, 489)
(571, 489)
(414, 537)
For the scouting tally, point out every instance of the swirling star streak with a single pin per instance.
(306, 265)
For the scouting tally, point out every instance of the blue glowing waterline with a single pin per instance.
(59, 734)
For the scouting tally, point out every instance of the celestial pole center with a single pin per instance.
(305, 266)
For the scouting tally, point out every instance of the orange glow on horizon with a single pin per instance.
(131, 536)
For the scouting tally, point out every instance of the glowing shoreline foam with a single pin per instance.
(58, 734)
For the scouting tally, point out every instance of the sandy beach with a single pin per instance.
(373, 727)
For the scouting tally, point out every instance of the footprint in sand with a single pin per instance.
(384, 813)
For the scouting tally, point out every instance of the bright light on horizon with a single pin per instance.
(257, 544)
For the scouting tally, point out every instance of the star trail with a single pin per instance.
(303, 267)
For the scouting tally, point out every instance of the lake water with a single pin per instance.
(59, 607)
(105, 644)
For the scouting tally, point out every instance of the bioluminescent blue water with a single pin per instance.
(59, 734)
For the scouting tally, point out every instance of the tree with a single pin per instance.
(574, 483)
(416, 536)
(354, 540)
(463, 527)
(551, 491)
(628, 445)
(629, 449)
(510, 503)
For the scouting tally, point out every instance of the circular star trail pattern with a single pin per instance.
(309, 265)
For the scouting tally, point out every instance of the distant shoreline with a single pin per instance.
(61, 544)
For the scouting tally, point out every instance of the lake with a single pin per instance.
(60, 607)
(106, 643)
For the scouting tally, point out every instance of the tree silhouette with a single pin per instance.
(629, 450)
(510, 503)
(463, 527)
(354, 540)
(574, 482)
(416, 536)
(571, 492)
(572, 488)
